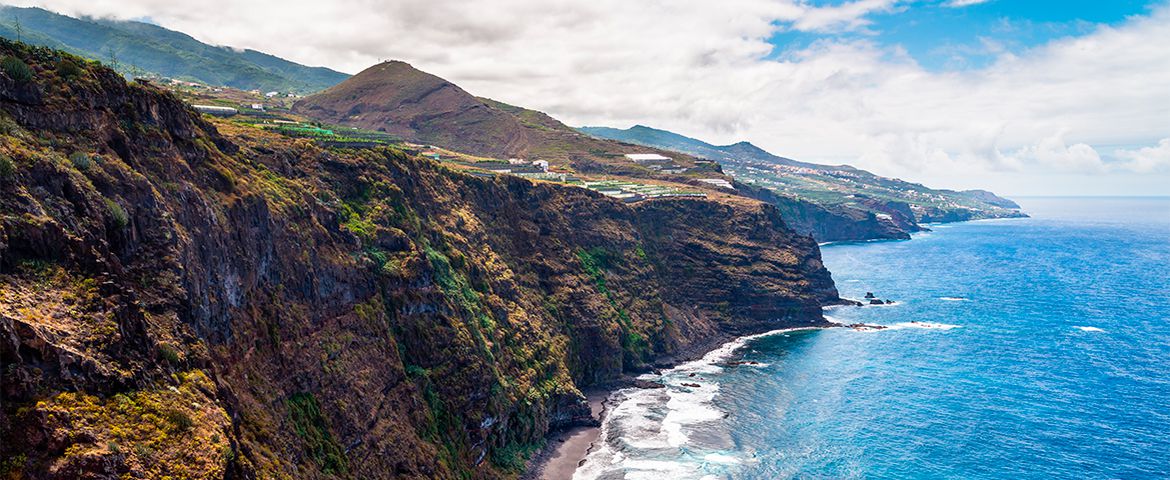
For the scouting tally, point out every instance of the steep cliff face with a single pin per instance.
(208, 300)
(831, 203)
(837, 223)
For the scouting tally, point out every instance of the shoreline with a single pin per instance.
(566, 450)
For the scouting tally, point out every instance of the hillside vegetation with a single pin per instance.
(187, 298)
(832, 203)
(137, 48)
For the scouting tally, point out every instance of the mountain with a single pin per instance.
(832, 203)
(397, 98)
(653, 137)
(189, 297)
(137, 46)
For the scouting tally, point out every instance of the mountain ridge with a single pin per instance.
(154, 49)
(832, 203)
(653, 137)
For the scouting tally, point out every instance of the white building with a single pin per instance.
(647, 157)
(541, 164)
(216, 110)
(718, 182)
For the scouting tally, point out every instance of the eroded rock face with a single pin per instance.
(215, 301)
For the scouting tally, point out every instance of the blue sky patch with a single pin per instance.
(942, 37)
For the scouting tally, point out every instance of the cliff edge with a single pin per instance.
(207, 300)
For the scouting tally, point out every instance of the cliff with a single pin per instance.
(829, 202)
(205, 300)
(828, 222)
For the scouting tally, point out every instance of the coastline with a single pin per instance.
(565, 451)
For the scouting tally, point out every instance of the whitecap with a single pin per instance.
(1089, 329)
(658, 420)
(720, 458)
(905, 326)
(954, 299)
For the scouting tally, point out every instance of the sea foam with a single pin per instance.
(655, 421)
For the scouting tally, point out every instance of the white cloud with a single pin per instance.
(964, 3)
(1147, 159)
(703, 69)
(1053, 153)
(847, 16)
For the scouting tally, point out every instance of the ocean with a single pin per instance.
(1016, 349)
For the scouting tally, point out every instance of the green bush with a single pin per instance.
(311, 426)
(117, 214)
(179, 420)
(168, 353)
(7, 168)
(69, 70)
(16, 69)
(81, 160)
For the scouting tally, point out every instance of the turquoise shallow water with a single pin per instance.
(1045, 354)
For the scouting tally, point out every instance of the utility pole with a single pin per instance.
(113, 57)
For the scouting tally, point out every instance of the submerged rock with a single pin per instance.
(648, 385)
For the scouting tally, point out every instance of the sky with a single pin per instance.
(1021, 97)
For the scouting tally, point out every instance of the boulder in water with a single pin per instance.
(644, 384)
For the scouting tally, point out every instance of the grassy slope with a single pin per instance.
(153, 49)
(835, 185)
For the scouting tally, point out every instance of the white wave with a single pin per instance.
(954, 299)
(905, 326)
(1089, 329)
(658, 420)
(688, 406)
(923, 325)
(720, 458)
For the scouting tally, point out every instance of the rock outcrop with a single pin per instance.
(196, 300)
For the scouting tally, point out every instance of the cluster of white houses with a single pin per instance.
(216, 110)
(632, 192)
(654, 161)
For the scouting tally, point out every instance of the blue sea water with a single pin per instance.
(1042, 350)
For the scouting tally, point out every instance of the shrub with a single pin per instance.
(117, 214)
(81, 160)
(179, 420)
(69, 70)
(168, 353)
(16, 69)
(311, 426)
(7, 168)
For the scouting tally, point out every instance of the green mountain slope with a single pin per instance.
(134, 47)
(835, 186)
(653, 137)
